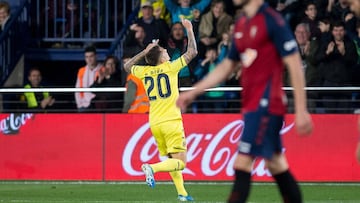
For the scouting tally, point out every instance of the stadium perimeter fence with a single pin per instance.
(342, 100)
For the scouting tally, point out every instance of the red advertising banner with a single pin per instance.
(51, 147)
(326, 155)
(112, 147)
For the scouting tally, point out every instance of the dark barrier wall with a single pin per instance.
(112, 147)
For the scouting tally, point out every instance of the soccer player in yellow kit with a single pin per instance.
(160, 79)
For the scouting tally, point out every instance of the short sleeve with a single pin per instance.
(281, 34)
(135, 70)
(178, 63)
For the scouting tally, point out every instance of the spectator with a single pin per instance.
(135, 42)
(185, 10)
(322, 7)
(85, 78)
(37, 101)
(176, 46)
(338, 9)
(311, 19)
(324, 26)
(160, 10)
(4, 15)
(212, 25)
(352, 25)
(290, 9)
(354, 34)
(307, 49)
(108, 76)
(154, 28)
(226, 40)
(214, 100)
(135, 98)
(336, 58)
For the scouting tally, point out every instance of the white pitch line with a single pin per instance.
(167, 183)
(94, 201)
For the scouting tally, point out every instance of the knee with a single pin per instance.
(182, 165)
(277, 164)
(181, 157)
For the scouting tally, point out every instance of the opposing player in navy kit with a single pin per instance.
(263, 45)
(355, 8)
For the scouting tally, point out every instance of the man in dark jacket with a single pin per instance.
(336, 58)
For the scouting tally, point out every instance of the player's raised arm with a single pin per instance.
(139, 56)
(191, 51)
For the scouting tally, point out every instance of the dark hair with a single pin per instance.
(152, 57)
(325, 20)
(90, 49)
(5, 5)
(33, 69)
(211, 48)
(176, 23)
(337, 23)
(309, 3)
(214, 2)
(116, 60)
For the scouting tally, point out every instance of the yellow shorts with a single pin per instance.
(170, 137)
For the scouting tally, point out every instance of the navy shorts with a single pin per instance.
(261, 135)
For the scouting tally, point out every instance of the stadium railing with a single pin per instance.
(83, 21)
(60, 33)
(11, 102)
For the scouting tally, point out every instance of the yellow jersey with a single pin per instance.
(161, 85)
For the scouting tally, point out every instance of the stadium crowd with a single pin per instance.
(327, 33)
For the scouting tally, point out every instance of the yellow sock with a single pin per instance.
(168, 165)
(178, 182)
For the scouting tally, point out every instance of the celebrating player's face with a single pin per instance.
(355, 6)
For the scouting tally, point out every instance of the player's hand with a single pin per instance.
(187, 24)
(151, 45)
(303, 123)
(185, 98)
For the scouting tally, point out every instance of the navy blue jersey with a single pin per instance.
(260, 43)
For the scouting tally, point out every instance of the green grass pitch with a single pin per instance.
(164, 192)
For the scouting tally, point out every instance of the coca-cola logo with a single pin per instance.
(12, 124)
(216, 152)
